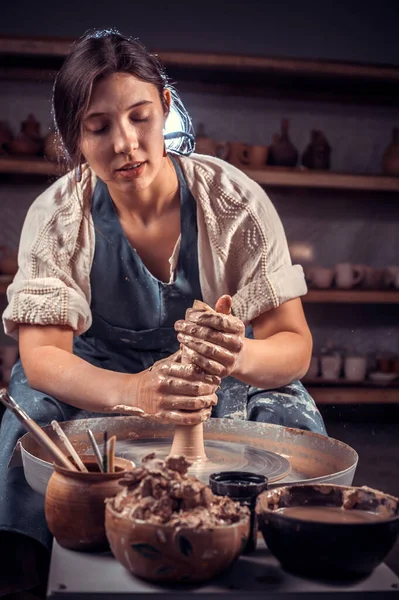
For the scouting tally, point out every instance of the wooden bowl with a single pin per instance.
(334, 550)
(75, 503)
(164, 553)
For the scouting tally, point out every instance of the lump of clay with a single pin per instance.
(161, 492)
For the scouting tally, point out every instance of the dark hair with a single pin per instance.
(94, 56)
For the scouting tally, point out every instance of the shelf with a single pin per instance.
(353, 395)
(280, 177)
(59, 47)
(352, 296)
(28, 166)
(273, 177)
(40, 58)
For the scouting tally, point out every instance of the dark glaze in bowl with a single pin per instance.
(324, 549)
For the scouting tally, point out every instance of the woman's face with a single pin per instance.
(122, 132)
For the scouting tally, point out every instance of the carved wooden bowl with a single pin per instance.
(163, 553)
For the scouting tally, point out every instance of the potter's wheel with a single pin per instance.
(313, 458)
(222, 456)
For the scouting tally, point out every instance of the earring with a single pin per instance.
(164, 150)
(78, 173)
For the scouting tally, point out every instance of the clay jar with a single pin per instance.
(29, 141)
(282, 151)
(165, 553)
(75, 504)
(390, 159)
(318, 152)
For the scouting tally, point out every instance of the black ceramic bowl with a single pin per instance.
(324, 549)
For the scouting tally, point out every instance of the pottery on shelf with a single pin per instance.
(5, 136)
(203, 143)
(29, 142)
(390, 159)
(75, 503)
(160, 552)
(31, 128)
(282, 151)
(23, 146)
(318, 152)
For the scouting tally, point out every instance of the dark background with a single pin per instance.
(349, 30)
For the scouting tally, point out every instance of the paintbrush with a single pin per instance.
(111, 454)
(63, 437)
(96, 450)
(37, 432)
(105, 452)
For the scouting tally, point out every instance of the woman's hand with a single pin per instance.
(171, 392)
(212, 340)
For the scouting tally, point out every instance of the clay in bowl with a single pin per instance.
(328, 531)
(168, 526)
(75, 503)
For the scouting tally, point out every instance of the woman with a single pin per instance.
(112, 257)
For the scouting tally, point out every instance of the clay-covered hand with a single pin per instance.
(212, 339)
(171, 392)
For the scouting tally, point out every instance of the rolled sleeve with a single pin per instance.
(45, 301)
(52, 285)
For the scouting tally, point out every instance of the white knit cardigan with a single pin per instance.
(242, 249)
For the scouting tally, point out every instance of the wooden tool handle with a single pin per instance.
(37, 432)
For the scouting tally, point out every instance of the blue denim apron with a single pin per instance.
(133, 326)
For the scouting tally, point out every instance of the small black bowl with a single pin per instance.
(323, 549)
(243, 487)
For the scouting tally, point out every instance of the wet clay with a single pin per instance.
(162, 492)
(221, 456)
(329, 514)
(188, 440)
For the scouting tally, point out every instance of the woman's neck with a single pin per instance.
(152, 202)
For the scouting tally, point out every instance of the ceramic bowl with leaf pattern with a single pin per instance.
(169, 554)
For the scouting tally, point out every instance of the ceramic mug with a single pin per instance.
(331, 366)
(348, 275)
(372, 277)
(320, 277)
(233, 152)
(391, 276)
(355, 368)
(313, 370)
(255, 156)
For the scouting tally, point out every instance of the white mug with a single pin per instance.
(331, 366)
(391, 276)
(348, 275)
(355, 368)
(313, 370)
(319, 277)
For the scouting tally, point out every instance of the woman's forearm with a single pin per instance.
(74, 381)
(274, 361)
